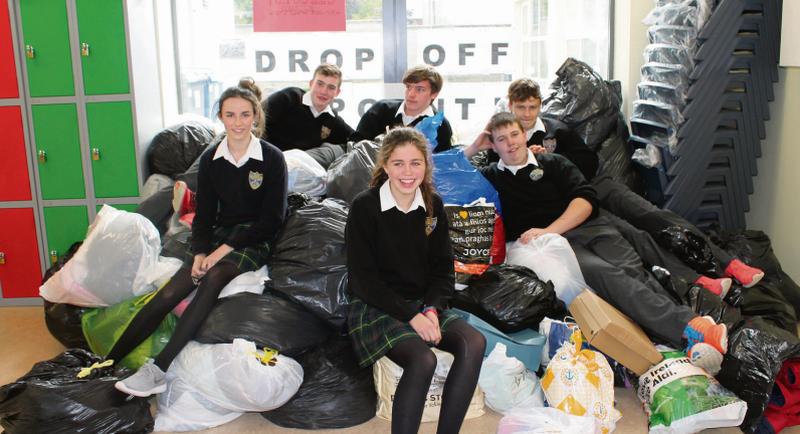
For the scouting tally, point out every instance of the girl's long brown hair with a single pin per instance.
(400, 137)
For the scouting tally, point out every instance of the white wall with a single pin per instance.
(630, 38)
(775, 203)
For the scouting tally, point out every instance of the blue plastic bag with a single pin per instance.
(459, 182)
(429, 127)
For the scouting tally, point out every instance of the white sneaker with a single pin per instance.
(148, 380)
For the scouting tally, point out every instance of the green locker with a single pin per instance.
(112, 149)
(65, 225)
(47, 51)
(130, 207)
(103, 50)
(58, 151)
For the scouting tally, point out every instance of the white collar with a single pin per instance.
(538, 126)
(388, 202)
(408, 119)
(314, 111)
(253, 151)
(513, 169)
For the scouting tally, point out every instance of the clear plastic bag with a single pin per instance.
(676, 14)
(667, 53)
(235, 377)
(546, 420)
(182, 408)
(649, 156)
(704, 8)
(551, 258)
(662, 113)
(667, 73)
(507, 384)
(673, 35)
(305, 174)
(661, 92)
(119, 247)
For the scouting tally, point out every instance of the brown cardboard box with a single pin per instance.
(613, 333)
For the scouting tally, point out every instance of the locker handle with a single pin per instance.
(2, 258)
(42, 156)
(53, 256)
(30, 53)
(95, 154)
(84, 49)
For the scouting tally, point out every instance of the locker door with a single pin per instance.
(58, 151)
(46, 35)
(101, 26)
(8, 71)
(14, 180)
(20, 272)
(64, 226)
(112, 148)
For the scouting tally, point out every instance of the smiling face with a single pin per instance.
(405, 169)
(324, 89)
(527, 111)
(237, 114)
(418, 97)
(509, 141)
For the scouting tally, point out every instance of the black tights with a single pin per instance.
(419, 363)
(151, 315)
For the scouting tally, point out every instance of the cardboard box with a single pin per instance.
(613, 333)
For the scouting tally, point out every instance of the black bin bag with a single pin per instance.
(64, 320)
(756, 351)
(511, 298)
(690, 248)
(268, 320)
(50, 399)
(309, 263)
(350, 174)
(335, 393)
(174, 149)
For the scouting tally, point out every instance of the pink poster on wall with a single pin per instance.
(298, 15)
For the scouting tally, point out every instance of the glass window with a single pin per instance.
(478, 47)
(217, 46)
(481, 49)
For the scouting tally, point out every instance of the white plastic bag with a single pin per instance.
(251, 281)
(581, 382)
(119, 247)
(386, 375)
(182, 408)
(157, 275)
(305, 174)
(507, 384)
(546, 420)
(232, 376)
(551, 258)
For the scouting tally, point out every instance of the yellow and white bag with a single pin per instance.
(387, 374)
(581, 382)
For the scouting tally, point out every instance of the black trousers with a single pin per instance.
(611, 266)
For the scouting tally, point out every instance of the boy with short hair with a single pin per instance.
(423, 84)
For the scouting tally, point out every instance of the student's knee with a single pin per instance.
(424, 364)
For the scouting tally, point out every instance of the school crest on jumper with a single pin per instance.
(430, 225)
(325, 132)
(255, 179)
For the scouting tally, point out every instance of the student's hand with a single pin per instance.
(532, 234)
(197, 267)
(482, 142)
(537, 149)
(427, 330)
(433, 316)
(215, 256)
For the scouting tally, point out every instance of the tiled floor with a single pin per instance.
(25, 340)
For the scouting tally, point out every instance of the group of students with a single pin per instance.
(399, 256)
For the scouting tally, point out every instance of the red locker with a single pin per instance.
(20, 271)
(14, 181)
(8, 71)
